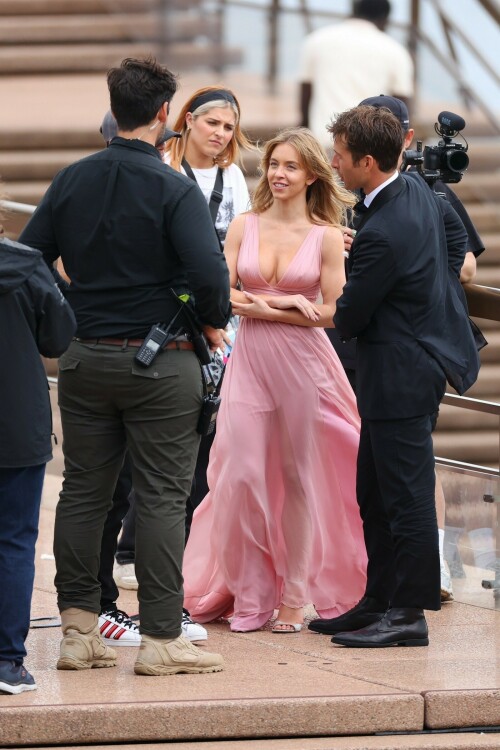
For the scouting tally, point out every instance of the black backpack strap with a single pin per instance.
(216, 197)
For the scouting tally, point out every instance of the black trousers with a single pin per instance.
(395, 490)
(112, 527)
(199, 487)
(125, 550)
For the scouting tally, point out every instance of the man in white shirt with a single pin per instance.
(343, 63)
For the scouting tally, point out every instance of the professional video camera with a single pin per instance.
(448, 160)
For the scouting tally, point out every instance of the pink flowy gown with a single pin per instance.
(280, 522)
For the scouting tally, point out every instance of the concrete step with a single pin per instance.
(85, 58)
(110, 28)
(26, 192)
(457, 419)
(488, 275)
(485, 216)
(484, 155)
(18, 166)
(31, 140)
(478, 186)
(58, 7)
(491, 353)
(486, 325)
(492, 244)
(487, 385)
(477, 447)
(442, 741)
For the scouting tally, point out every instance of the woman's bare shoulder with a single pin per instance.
(333, 239)
(236, 227)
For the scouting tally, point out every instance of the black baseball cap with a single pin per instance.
(396, 106)
(166, 136)
(109, 129)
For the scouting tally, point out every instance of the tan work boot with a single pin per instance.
(158, 656)
(82, 646)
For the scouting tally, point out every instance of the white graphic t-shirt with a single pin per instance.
(235, 196)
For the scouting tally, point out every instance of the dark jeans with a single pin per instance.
(108, 403)
(199, 487)
(395, 490)
(115, 522)
(20, 496)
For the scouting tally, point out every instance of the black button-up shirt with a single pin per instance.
(128, 228)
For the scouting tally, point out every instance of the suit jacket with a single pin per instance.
(402, 303)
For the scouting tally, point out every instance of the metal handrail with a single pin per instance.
(473, 404)
(414, 33)
(20, 208)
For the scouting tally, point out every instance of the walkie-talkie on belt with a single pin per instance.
(160, 335)
(157, 338)
(154, 342)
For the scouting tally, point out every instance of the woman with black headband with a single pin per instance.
(208, 149)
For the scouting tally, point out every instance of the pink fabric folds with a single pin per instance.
(281, 521)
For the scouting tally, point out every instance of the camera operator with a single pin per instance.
(475, 246)
(128, 229)
(413, 334)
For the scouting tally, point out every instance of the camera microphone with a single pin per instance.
(448, 160)
(451, 121)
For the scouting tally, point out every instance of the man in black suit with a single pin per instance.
(413, 333)
(347, 350)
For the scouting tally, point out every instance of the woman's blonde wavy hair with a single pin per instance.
(327, 200)
(231, 154)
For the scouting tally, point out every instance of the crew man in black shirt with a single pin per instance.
(128, 230)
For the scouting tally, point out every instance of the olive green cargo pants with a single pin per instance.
(109, 403)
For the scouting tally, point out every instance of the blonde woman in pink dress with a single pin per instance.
(280, 527)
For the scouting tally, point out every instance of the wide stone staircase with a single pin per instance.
(71, 40)
(64, 36)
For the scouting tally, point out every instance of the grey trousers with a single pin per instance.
(109, 403)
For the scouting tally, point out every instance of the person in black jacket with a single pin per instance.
(413, 333)
(36, 320)
(129, 230)
(347, 350)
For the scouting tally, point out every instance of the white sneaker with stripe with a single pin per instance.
(117, 629)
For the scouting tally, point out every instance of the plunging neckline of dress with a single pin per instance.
(297, 252)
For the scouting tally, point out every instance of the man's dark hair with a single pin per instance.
(371, 10)
(370, 131)
(137, 90)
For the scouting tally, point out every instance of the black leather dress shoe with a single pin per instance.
(400, 626)
(366, 611)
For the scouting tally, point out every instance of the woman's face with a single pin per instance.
(285, 174)
(211, 132)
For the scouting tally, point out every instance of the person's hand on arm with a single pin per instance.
(469, 268)
(348, 235)
(297, 309)
(232, 245)
(215, 338)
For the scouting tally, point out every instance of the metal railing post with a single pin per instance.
(272, 71)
